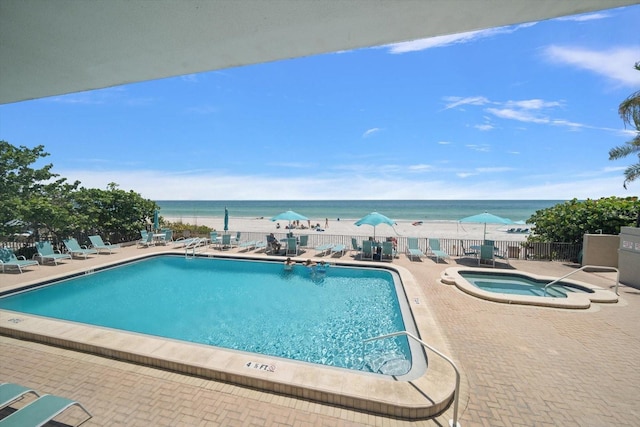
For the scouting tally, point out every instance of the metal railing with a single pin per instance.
(599, 267)
(456, 394)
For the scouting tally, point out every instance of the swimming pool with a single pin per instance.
(257, 307)
(422, 393)
(524, 288)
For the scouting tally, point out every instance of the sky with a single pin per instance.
(526, 111)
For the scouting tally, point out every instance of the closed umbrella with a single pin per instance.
(156, 221)
(374, 219)
(226, 219)
(289, 216)
(486, 218)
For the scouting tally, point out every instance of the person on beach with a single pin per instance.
(326, 223)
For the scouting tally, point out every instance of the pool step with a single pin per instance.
(388, 364)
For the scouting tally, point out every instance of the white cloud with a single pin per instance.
(519, 115)
(485, 127)
(482, 148)
(444, 142)
(457, 101)
(370, 132)
(450, 39)
(158, 185)
(584, 17)
(615, 64)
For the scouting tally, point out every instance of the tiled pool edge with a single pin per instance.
(425, 397)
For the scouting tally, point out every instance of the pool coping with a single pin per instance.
(451, 276)
(424, 397)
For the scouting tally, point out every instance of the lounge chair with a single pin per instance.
(323, 249)
(74, 248)
(388, 251)
(434, 248)
(487, 254)
(303, 243)
(261, 245)
(10, 393)
(168, 237)
(413, 250)
(367, 250)
(41, 411)
(46, 252)
(468, 252)
(354, 246)
(292, 246)
(247, 245)
(213, 238)
(225, 243)
(100, 245)
(9, 259)
(146, 239)
(338, 249)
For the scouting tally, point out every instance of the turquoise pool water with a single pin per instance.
(251, 306)
(516, 284)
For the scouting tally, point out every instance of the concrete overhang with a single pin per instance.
(53, 47)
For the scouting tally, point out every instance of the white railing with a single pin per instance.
(456, 395)
(599, 267)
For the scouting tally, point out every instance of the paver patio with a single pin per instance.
(521, 366)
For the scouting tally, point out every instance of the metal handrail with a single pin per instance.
(193, 245)
(582, 268)
(456, 395)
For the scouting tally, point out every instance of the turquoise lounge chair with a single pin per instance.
(10, 393)
(338, 249)
(9, 259)
(354, 246)
(292, 246)
(41, 411)
(323, 249)
(74, 248)
(146, 239)
(367, 250)
(46, 252)
(388, 251)
(413, 250)
(487, 254)
(434, 248)
(100, 245)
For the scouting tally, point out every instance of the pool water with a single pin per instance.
(515, 284)
(243, 305)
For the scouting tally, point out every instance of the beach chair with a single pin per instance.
(41, 411)
(46, 252)
(322, 250)
(213, 238)
(10, 393)
(354, 246)
(303, 243)
(74, 248)
(468, 252)
(261, 245)
(388, 251)
(225, 243)
(434, 248)
(168, 237)
(292, 246)
(338, 249)
(247, 246)
(146, 239)
(413, 250)
(9, 259)
(367, 250)
(99, 245)
(487, 254)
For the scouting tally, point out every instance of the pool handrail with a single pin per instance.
(456, 394)
(582, 268)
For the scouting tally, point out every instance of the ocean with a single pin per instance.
(414, 210)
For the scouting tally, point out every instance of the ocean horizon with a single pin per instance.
(412, 210)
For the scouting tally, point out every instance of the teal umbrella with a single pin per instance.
(374, 219)
(486, 218)
(289, 216)
(226, 219)
(156, 221)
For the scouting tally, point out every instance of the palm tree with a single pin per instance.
(629, 111)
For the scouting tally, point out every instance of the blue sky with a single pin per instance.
(521, 112)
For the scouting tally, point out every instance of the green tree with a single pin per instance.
(629, 111)
(568, 222)
(30, 196)
(116, 214)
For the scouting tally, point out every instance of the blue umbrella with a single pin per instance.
(289, 216)
(486, 218)
(226, 219)
(156, 222)
(374, 219)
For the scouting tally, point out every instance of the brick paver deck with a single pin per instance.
(521, 366)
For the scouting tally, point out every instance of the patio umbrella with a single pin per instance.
(226, 219)
(486, 218)
(156, 222)
(374, 219)
(289, 216)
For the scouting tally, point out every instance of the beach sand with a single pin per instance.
(433, 229)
